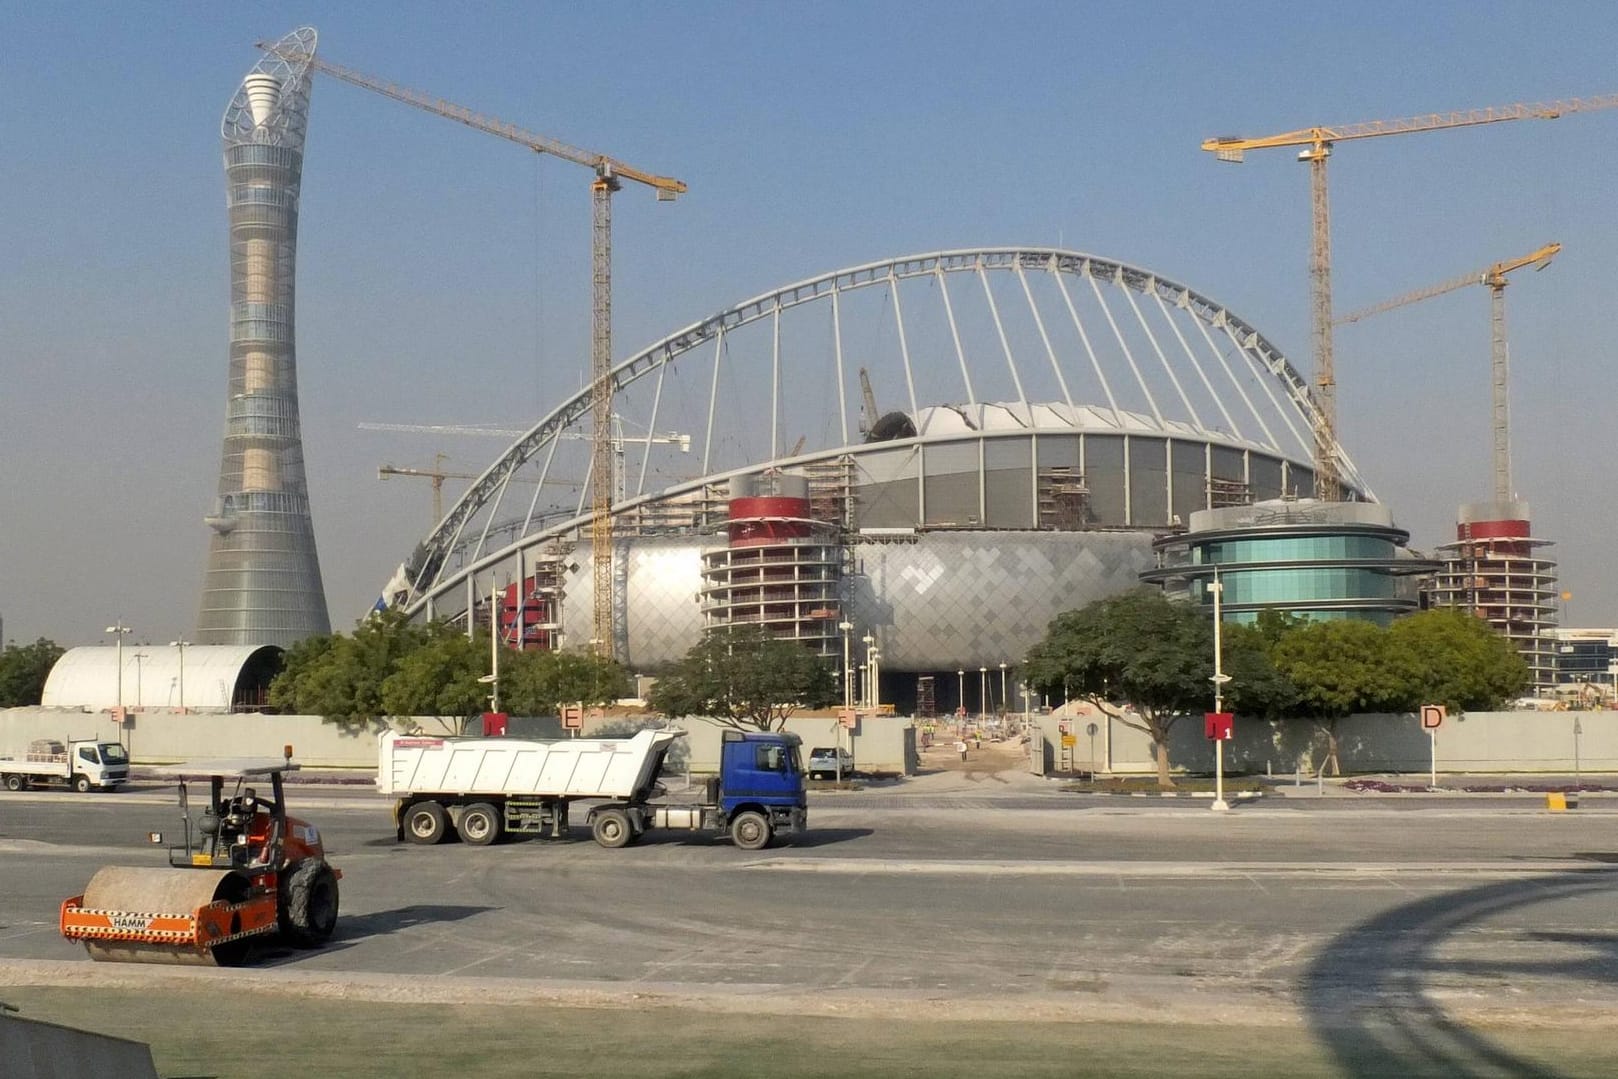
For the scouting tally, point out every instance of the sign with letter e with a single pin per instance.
(1219, 726)
(1432, 716)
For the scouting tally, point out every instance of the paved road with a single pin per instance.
(1372, 921)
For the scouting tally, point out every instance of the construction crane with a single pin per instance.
(609, 172)
(438, 476)
(1316, 143)
(868, 398)
(1495, 278)
(618, 440)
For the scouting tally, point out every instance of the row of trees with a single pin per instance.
(23, 672)
(1148, 662)
(390, 666)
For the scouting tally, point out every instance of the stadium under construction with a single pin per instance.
(1048, 415)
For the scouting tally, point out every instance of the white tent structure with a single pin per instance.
(207, 678)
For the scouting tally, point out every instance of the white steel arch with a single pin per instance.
(1165, 359)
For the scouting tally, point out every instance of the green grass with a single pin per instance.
(248, 1034)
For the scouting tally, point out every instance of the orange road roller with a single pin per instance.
(246, 870)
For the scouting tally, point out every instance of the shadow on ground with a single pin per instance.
(1374, 997)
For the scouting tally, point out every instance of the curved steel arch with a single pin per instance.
(490, 485)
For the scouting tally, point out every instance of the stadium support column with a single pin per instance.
(263, 582)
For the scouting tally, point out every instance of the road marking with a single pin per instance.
(1365, 871)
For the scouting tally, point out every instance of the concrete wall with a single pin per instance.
(34, 1050)
(1471, 742)
(879, 744)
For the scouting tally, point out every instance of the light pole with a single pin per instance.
(494, 646)
(137, 657)
(121, 630)
(983, 691)
(848, 681)
(960, 689)
(869, 696)
(181, 646)
(1005, 701)
(1219, 679)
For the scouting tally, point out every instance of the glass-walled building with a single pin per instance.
(1318, 560)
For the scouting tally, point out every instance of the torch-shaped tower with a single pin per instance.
(263, 581)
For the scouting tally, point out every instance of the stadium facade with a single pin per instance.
(263, 584)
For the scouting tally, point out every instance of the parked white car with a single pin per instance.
(823, 762)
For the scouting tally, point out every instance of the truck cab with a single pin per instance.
(761, 789)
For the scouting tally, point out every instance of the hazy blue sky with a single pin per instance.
(443, 275)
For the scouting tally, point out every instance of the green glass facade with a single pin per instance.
(1314, 560)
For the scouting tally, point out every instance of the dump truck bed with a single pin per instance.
(568, 768)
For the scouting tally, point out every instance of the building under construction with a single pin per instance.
(1494, 570)
(263, 581)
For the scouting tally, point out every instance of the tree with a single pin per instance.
(1138, 657)
(1452, 658)
(1337, 668)
(540, 683)
(340, 676)
(744, 678)
(23, 672)
(438, 678)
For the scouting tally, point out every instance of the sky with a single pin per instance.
(443, 275)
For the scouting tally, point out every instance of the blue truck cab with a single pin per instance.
(760, 787)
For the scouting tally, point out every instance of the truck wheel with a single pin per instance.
(425, 823)
(750, 830)
(479, 824)
(81, 784)
(15, 783)
(612, 829)
(308, 913)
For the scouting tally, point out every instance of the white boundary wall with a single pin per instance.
(1471, 742)
(884, 744)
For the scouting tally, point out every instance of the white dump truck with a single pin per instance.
(82, 765)
(482, 788)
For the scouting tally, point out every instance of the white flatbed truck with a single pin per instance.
(83, 765)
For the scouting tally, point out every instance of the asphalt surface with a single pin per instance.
(1409, 933)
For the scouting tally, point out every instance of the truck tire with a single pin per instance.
(479, 824)
(425, 823)
(81, 784)
(612, 829)
(15, 782)
(308, 898)
(750, 830)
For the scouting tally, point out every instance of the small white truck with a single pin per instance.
(82, 765)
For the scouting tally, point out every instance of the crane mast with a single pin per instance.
(609, 173)
(1495, 278)
(1316, 146)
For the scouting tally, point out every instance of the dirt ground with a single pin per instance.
(983, 758)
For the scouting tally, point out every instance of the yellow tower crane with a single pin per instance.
(608, 174)
(1316, 146)
(1495, 278)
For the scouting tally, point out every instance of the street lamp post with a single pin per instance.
(137, 657)
(1005, 701)
(983, 691)
(869, 696)
(848, 682)
(121, 630)
(960, 690)
(1219, 679)
(181, 646)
